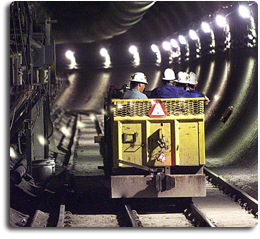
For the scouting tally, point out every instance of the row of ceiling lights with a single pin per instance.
(173, 45)
(221, 21)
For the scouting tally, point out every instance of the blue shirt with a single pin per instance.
(195, 93)
(171, 91)
(134, 94)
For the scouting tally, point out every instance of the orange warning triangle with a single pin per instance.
(157, 110)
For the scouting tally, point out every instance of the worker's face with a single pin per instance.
(141, 87)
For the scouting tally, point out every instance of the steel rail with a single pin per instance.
(200, 216)
(239, 194)
(131, 216)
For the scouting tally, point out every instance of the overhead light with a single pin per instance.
(103, 52)
(154, 48)
(174, 43)
(193, 35)
(205, 27)
(133, 49)
(244, 11)
(182, 40)
(166, 46)
(221, 21)
(69, 54)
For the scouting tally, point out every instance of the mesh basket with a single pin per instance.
(174, 107)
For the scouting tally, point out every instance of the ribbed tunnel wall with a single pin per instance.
(230, 80)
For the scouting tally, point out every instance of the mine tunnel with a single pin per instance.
(66, 56)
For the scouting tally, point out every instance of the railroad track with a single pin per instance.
(226, 205)
(125, 216)
(219, 209)
(121, 216)
(161, 218)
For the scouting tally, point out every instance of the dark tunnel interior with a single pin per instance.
(225, 60)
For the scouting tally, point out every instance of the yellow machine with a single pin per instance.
(155, 147)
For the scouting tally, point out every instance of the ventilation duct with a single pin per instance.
(109, 20)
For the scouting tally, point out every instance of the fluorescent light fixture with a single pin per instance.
(133, 50)
(69, 54)
(244, 11)
(193, 35)
(221, 21)
(182, 40)
(166, 46)
(174, 43)
(205, 27)
(154, 48)
(103, 52)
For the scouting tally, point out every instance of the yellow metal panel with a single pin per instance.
(201, 142)
(147, 133)
(116, 129)
(119, 150)
(177, 142)
(160, 131)
(131, 151)
(188, 143)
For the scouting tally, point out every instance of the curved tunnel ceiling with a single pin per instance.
(86, 22)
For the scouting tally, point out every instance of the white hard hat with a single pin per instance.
(183, 78)
(192, 77)
(139, 77)
(168, 74)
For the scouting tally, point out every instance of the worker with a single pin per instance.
(193, 81)
(137, 87)
(169, 88)
(190, 87)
